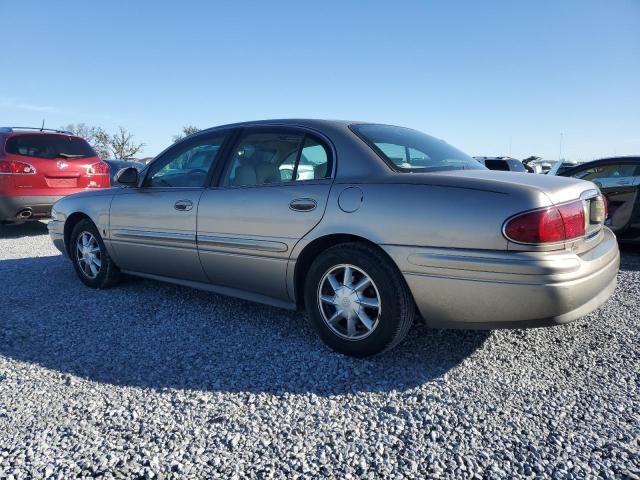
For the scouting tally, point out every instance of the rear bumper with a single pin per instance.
(480, 290)
(40, 206)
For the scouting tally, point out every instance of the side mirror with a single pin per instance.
(127, 177)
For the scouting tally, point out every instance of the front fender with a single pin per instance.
(67, 211)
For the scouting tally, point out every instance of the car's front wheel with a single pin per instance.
(357, 300)
(90, 258)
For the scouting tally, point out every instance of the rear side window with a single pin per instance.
(273, 157)
(48, 146)
(408, 150)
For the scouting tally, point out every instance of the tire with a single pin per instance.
(104, 273)
(331, 310)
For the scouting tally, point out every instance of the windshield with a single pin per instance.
(48, 146)
(413, 151)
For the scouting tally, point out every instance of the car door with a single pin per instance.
(619, 183)
(273, 191)
(153, 226)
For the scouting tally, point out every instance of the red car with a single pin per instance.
(40, 166)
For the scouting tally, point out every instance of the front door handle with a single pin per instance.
(303, 204)
(183, 205)
(623, 182)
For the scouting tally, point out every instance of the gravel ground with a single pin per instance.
(153, 380)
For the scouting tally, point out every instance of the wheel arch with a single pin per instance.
(69, 225)
(311, 251)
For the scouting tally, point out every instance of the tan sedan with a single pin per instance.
(362, 225)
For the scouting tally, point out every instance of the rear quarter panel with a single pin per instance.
(423, 215)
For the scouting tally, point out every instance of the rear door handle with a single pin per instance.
(303, 204)
(183, 205)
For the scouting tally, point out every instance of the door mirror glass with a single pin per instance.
(127, 176)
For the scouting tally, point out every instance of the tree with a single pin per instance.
(186, 131)
(122, 145)
(101, 142)
(97, 137)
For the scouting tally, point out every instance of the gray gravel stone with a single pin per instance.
(149, 380)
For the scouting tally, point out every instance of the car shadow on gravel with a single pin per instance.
(630, 257)
(152, 335)
(21, 230)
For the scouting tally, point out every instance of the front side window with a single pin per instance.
(48, 146)
(263, 158)
(412, 151)
(187, 165)
(607, 172)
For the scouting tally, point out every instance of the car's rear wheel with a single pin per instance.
(357, 300)
(90, 258)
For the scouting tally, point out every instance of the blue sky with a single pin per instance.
(490, 77)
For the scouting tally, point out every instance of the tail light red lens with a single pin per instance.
(549, 225)
(573, 219)
(10, 167)
(99, 168)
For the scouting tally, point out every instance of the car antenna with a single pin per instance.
(42, 127)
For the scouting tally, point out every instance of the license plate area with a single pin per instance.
(62, 182)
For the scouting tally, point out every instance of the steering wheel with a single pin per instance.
(198, 170)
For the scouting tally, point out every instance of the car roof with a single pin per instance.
(47, 131)
(302, 122)
(628, 158)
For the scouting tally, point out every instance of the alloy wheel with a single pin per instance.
(349, 302)
(88, 254)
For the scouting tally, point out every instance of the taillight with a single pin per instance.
(10, 167)
(573, 219)
(99, 168)
(548, 225)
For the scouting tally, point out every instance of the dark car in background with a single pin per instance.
(619, 180)
(559, 169)
(116, 165)
(505, 164)
(40, 166)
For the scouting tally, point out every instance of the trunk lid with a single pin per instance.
(557, 189)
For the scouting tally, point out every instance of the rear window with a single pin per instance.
(48, 146)
(497, 165)
(413, 151)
